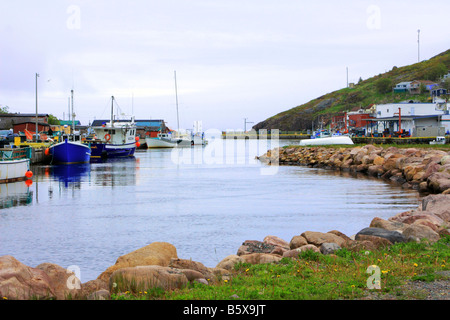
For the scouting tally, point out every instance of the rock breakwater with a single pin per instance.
(425, 170)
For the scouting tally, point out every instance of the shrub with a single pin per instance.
(383, 85)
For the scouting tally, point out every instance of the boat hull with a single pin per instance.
(68, 152)
(107, 151)
(193, 141)
(13, 170)
(160, 143)
(326, 141)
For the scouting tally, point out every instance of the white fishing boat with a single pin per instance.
(114, 139)
(162, 140)
(324, 138)
(15, 164)
(192, 139)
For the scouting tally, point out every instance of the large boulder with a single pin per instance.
(297, 241)
(392, 236)
(294, 253)
(439, 181)
(228, 262)
(260, 258)
(329, 248)
(255, 246)
(156, 253)
(386, 224)
(378, 242)
(145, 278)
(438, 204)
(420, 232)
(189, 266)
(65, 283)
(317, 238)
(20, 282)
(276, 241)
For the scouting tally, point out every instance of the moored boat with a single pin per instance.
(162, 140)
(15, 164)
(69, 152)
(192, 139)
(322, 138)
(113, 139)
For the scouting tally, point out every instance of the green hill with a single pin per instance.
(375, 90)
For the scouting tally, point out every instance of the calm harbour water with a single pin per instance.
(204, 200)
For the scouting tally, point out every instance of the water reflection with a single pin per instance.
(15, 194)
(70, 175)
(115, 172)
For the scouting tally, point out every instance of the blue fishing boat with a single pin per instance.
(69, 152)
(114, 139)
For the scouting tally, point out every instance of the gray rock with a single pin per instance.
(328, 248)
(392, 236)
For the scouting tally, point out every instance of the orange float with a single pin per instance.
(28, 174)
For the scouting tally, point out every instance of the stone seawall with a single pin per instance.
(425, 170)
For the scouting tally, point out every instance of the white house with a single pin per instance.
(403, 86)
(419, 119)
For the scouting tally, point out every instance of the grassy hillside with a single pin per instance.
(375, 90)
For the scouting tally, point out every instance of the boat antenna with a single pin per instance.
(176, 97)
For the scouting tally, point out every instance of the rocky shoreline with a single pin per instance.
(158, 264)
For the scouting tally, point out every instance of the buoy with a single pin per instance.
(137, 138)
(28, 174)
(28, 183)
(138, 144)
(47, 151)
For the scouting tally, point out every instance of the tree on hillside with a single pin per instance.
(436, 71)
(383, 85)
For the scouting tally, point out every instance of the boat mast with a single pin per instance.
(112, 111)
(73, 117)
(176, 97)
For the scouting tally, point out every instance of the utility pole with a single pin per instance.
(347, 77)
(245, 124)
(418, 45)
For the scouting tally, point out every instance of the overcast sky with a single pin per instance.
(233, 59)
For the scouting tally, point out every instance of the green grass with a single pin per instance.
(343, 275)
